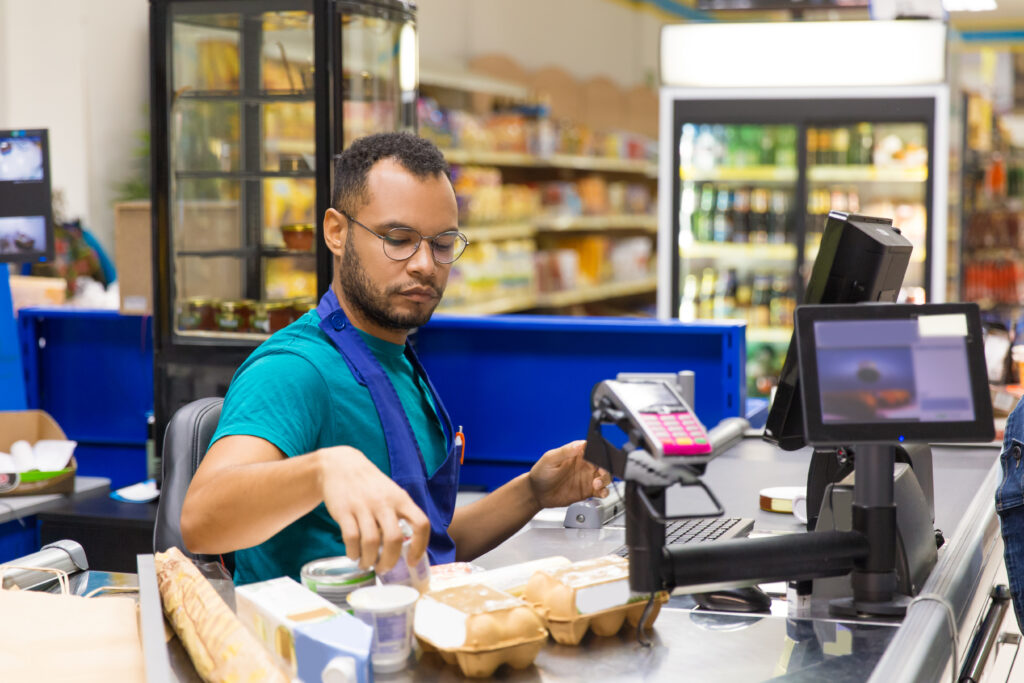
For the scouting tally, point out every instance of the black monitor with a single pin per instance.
(26, 213)
(860, 259)
(893, 373)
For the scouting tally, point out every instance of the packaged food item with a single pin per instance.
(220, 647)
(282, 614)
(198, 313)
(511, 579)
(235, 316)
(298, 236)
(479, 628)
(389, 610)
(334, 578)
(270, 316)
(416, 576)
(591, 594)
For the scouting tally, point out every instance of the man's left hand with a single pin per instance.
(562, 476)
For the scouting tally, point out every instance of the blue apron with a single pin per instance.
(434, 495)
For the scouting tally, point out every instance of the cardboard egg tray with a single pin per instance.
(479, 628)
(592, 594)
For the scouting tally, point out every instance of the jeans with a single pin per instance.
(1010, 506)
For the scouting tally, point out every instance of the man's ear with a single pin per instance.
(335, 226)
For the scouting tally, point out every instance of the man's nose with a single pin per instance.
(423, 260)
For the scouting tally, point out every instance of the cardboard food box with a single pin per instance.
(32, 426)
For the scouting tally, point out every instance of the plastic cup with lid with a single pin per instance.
(389, 610)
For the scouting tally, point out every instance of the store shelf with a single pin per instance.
(580, 163)
(499, 232)
(867, 174)
(236, 96)
(754, 174)
(585, 223)
(770, 335)
(242, 252)
(457, 78)
(222, 336)
(733, 251)
(582, 295)
(597, 293)
(507, 304)
(242, 175)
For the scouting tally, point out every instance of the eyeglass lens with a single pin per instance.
(401, 243)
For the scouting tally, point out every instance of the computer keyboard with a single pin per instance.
(701, 529)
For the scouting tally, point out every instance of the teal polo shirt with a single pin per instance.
(297, 392)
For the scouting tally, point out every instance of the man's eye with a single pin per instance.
(397, 240)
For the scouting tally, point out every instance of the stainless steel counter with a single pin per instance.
(693, 645)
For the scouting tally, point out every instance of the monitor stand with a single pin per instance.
(874, 515)
(12, 374)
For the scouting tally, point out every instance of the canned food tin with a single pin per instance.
(333, 578)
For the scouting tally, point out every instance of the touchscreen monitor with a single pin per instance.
(25, 202)
(893, 372)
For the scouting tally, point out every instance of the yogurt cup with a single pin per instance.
(389, 610)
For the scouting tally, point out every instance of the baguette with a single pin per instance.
(221, 648)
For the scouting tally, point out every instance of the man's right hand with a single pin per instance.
(367, 505)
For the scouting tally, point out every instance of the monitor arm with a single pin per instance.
(867, 551)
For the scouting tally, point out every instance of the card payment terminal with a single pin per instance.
(669, 427)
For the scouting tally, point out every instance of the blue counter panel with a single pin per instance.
(520, 385)
(18, 537)
(91, 370)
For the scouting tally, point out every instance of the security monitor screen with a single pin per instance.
(21, 158)
(884, 373)
(25, 201)
(894, 370)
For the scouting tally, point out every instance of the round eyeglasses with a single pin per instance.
(401, 243)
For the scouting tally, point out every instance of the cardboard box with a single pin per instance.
(32, 425)
(133, 256)
(29, 290)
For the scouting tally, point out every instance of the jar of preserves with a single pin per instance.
(270, 316)
(298, 236)
(235, 315)
(198, 313)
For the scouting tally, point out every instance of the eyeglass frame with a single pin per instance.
(433, 254)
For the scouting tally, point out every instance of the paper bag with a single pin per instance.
(48, 637)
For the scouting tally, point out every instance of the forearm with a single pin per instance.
(245, 504)
(483, 524)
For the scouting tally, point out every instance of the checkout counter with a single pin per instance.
(756, 647)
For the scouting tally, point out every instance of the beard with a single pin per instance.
(371, 302)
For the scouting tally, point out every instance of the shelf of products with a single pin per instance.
(566, 161)
(240, 151)
(561, 299)
(751, 213)
(557, 215)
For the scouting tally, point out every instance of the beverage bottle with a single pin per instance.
(689, 217)
(722, 230)
(840, 145)
(731, 284)
(865, 143)
(812, 145)
(706, 212)
(824, 146)
(778, 218)
(759, 215)
(688, 302)
(768, 144)
(741, 215)
(687, 145)
(705, 308)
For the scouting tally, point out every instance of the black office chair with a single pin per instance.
(185, 442)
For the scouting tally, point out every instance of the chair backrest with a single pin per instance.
(185, 442)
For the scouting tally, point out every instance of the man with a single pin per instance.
(331, 432)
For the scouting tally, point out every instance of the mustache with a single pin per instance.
(397, 289)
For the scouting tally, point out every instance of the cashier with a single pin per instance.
(331, 431)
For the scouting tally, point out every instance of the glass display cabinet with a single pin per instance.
(250, 102)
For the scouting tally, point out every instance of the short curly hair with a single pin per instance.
(351, 168)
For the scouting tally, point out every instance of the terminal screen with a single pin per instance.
(882, 371)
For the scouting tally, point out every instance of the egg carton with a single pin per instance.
(479, 628)
(605, 623)
(591, 594)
